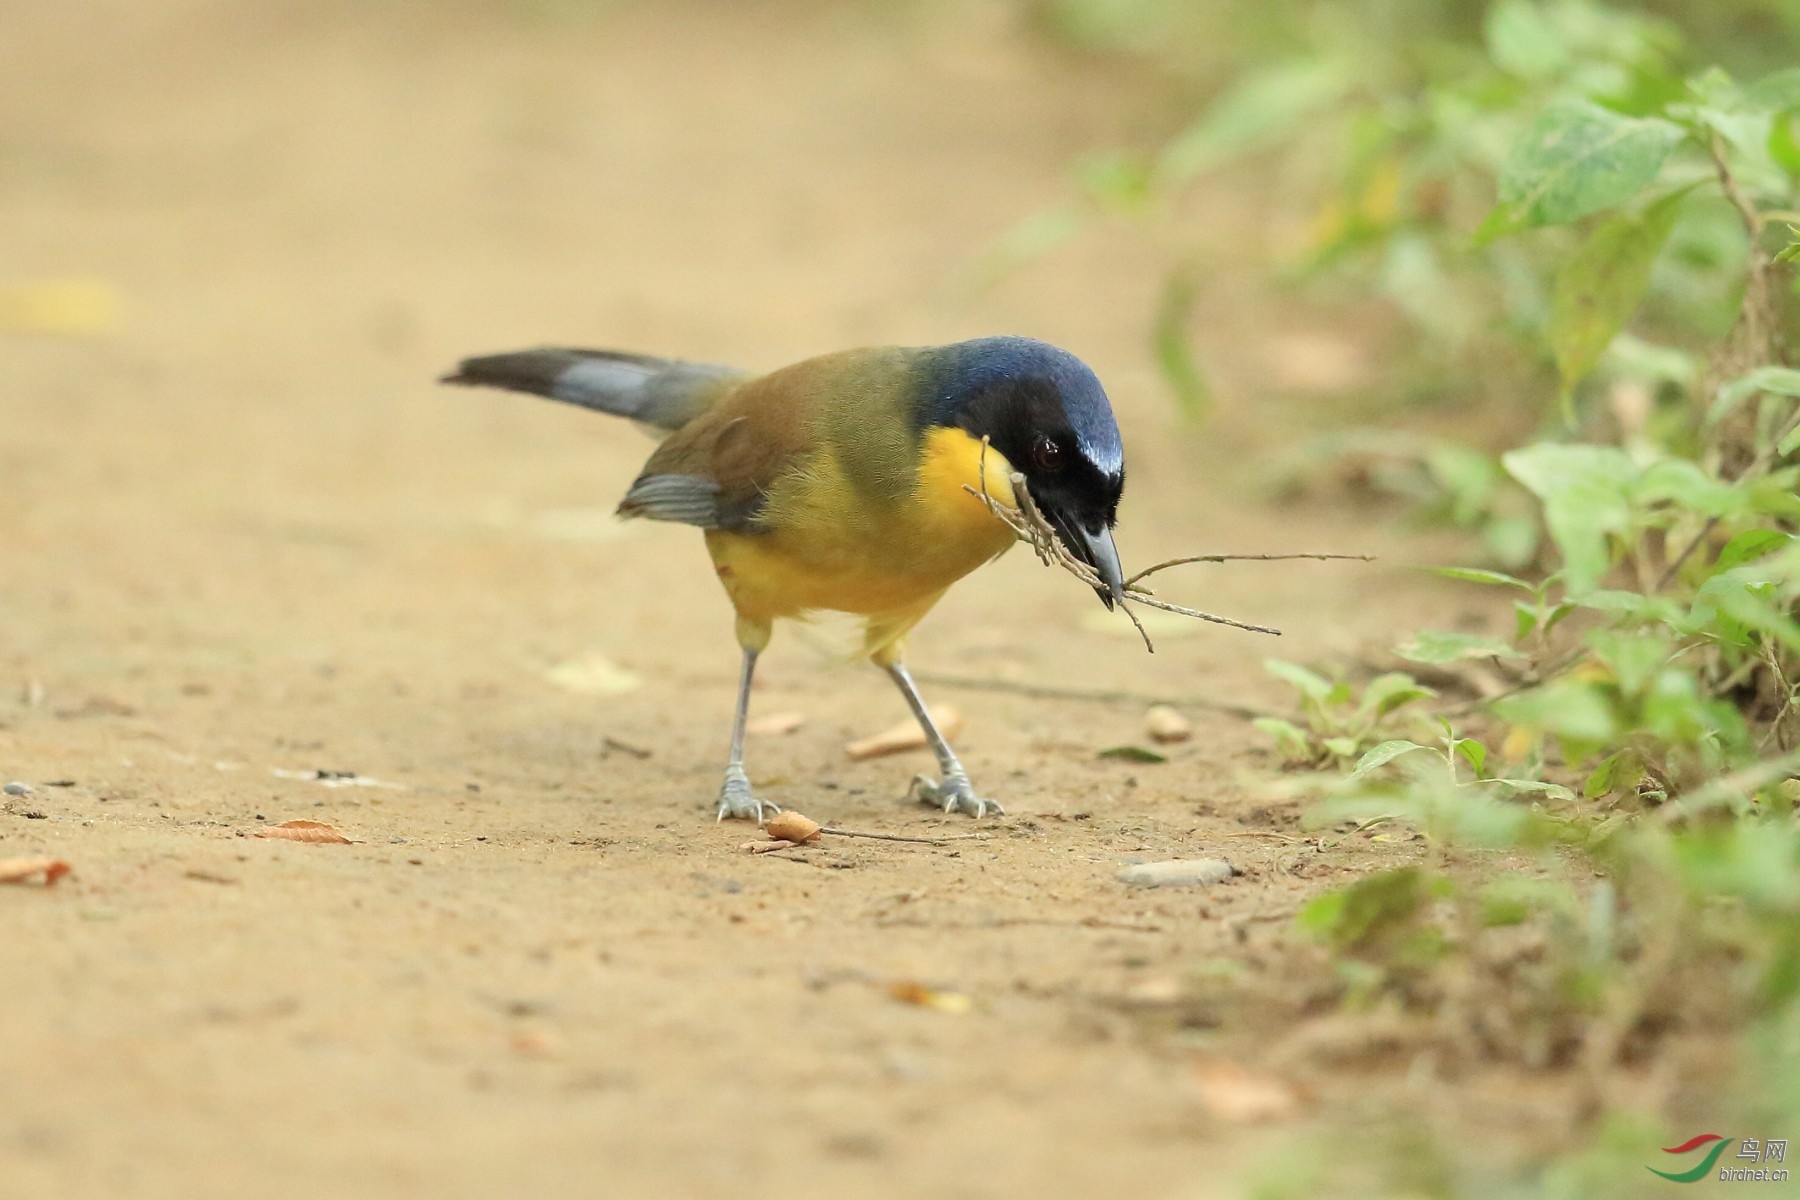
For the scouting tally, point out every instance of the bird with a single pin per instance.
(856, 482)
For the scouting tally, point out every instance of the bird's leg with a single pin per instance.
(735, 797)
(954, 792)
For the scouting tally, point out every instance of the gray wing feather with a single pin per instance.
(688, 499)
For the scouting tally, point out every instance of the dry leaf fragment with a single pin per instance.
(792, 827)
(776, 723)
(910, 992)
(71, 307)
(19, 870)
(306, 831)
(1164, 724)
(766, 847)
(209, 877)
(1154, 992)
(533, 1043)
(1233, 1093)
(907, 735)
(594, 674)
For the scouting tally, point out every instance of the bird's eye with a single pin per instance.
(1047, 455)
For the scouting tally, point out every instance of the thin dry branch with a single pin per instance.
(1219, 558)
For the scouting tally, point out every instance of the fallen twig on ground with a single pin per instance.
(1045, 691)
(901, 837)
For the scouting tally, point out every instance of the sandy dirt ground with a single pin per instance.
(245, 540)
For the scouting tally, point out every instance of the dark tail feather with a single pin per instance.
(656, 391)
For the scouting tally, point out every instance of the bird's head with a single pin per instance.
(1046, 412)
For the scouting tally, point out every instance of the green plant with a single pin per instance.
(1390, 126)
(1593, 232)
(1336, 722)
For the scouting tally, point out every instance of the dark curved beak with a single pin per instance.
(1094, 546)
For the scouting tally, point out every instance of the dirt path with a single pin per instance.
(243, 538)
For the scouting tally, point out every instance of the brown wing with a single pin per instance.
(716, 471)
(719, 469)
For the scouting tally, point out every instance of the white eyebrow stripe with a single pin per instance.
(1110, 460)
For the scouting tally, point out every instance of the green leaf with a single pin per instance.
(1258, 110)
(1537, 787)
(1749, 546)
(1433, 646)
(1370, 910)
(1315, 686)
(1524, 41)
(1136, 754)
(1028, 241)
(1689, 486)
(1576, 159)
(1791, 252)
(1498, 911)
(1634, 657)
(1509, 900)
(1617, 772)
(1340, 747)
(1116, 181)
(1585, 494)
(1600, 780)
(1558, 611)
(1290, 739)
(1746, 602)
(1383, 754)
(1784, 151)
(1782, 381)
(1477, 575)
(1636, 605)
(1599, 288)
(1512, 540)
(1650, 364)
(1321, 915)
(1174, 349)
(1564, 707)
(1467, 476)
(1386, 693)
(1473, 752)
(1525, 620)
(1779, 92)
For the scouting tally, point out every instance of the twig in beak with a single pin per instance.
(1032, 527)
(1219, 558)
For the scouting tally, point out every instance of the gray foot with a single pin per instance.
(737, 801)
(954, 794)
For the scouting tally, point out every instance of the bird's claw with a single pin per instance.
(738, 802)
(954, 793)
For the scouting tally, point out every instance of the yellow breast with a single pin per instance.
(826, 547)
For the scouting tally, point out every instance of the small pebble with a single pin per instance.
(1164, 724)
(1186, 872)
(17, 789)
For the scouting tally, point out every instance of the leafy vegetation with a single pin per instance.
(1590, 228)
